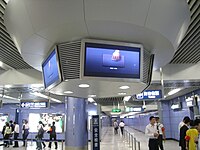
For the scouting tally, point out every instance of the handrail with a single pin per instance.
(132, 140)
(26, 141)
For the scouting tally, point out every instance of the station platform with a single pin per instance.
(109, 142)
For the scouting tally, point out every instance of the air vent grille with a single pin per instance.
(70, 59)
(146, 65)
(189, 50)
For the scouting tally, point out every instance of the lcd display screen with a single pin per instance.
(47, 120)
(103, 60)
(50, 69)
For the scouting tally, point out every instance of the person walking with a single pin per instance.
(183, 130)
(25, 131)
(7, 132)
(161, 132)
(39, 135)
(152, 133)
(12, 127)
(16, 134)
(121, 125)
(52, 134)
(115, 124)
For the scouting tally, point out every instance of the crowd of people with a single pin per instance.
(11, 132)
(189, 131)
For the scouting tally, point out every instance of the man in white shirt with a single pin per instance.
(161, 132)
(16, 134)
(121, 125)
(152, 133)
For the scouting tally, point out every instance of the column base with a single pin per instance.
(76, 148)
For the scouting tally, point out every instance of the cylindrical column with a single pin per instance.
(76, 136)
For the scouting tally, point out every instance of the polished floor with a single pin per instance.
(112, 142)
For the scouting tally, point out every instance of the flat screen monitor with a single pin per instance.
(51, 70)
(112, 60)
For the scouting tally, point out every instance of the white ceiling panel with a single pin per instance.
(167, 17)
(129, 11)
(47, 13)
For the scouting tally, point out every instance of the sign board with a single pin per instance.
(95, 133)
(116, 110)
(150, 94)
(34, 104)
(134, 109)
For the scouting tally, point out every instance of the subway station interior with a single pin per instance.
(89, 65)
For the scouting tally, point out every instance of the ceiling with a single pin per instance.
(148, 22)
(88, 20)
(189, 49)
(8, 51)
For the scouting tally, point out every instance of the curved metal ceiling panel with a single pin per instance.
(8, 51)
(189, 49)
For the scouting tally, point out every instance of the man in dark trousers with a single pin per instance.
(152, 133)
(16, 134)
(52, 132)
(183, 130)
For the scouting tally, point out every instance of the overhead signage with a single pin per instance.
(150, 94)
(116, 110)
(95, 133)
(134, 109)
(34, 104)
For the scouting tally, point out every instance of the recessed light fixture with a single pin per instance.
(123, 93)
(124, 87)
(84, 85)
(68, 92)
(91, 95)
(95, 103)
(66, 80)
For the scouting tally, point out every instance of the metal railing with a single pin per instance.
(132, 141)
(26, 142)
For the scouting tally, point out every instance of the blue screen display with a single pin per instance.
(50, 70)
(103, 60)
(150, 94)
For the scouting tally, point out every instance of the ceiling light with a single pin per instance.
(90, 100)
(66, 80)
(36, 85)
(8, 86)
(45, 96)
(1, 64)
(173, 91)
(95, 103)
(68, 92)
(127, 98)
(124, 87)
(91, 95)
(122, 93)
(84, 85)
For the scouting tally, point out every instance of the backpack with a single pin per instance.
(41, 132)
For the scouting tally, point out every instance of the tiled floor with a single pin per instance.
(112, 142)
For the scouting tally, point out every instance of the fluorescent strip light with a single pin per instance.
(45, 96)
(9, 97)
(1, 64)
(91, 95)
(127, 98)
(8, 86)
(174, 91)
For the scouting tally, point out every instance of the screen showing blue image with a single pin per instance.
(102, 60)
(50, 70)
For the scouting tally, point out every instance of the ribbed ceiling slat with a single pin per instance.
(8, 51)
(188, 51)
